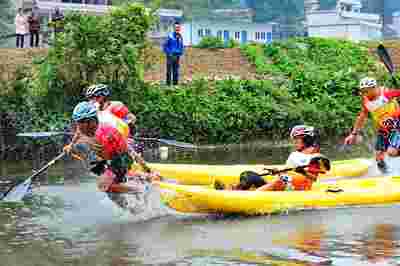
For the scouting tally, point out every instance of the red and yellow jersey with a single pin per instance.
(382, 108)
(105, 117)
(118, 109)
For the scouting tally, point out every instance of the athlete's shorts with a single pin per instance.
(250, 179)
(394, 139)
(382, 141)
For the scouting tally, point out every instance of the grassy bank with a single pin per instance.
(307, 81)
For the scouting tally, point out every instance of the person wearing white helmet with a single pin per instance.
(100, 93)
(382, 104)
(307, 144)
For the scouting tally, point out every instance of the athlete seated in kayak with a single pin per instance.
(299, 179)
(307, 144)
(104, 149)
(382, 104)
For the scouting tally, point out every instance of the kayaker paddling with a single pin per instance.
(299, 179)
(104, 149)
(382, 104)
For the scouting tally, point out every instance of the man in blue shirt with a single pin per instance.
(173, 49)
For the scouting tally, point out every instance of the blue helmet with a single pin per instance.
(84, 110)
(98, 90)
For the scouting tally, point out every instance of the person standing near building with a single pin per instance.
(173, 49)
(34, 28)
(21, 28)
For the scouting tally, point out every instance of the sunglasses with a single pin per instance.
(87, 120)
(365, 90)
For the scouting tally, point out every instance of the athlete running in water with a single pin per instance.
(382, 104)
(104, 149)
(99, 94)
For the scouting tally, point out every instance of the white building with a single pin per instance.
(346, 21)
(395, 26)
(241, 32)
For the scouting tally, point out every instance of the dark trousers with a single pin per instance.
(172, 69)
(20, 41)
(35, 38)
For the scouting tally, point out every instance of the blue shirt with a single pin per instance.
(173, 45)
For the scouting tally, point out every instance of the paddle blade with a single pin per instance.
(18, 192)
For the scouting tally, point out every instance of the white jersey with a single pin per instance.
(297, 158)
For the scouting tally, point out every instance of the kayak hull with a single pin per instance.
(201, 199)
(195, 174)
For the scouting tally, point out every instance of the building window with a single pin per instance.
(219, 34)
(237, 35)
(269, 37)
(262, 35)
(258, 35)
(200, 33)
(208, 32)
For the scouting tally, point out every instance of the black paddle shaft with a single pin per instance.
(387, 61)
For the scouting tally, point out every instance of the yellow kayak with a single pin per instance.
(196, 174)
(203, 199)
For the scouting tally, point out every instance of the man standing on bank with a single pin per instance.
(173, 49)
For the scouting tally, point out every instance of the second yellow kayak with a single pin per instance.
(196, 174)
(203, 199)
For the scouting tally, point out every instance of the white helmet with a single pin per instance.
(302, 130)
(367, 83)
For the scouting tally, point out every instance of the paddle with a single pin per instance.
(170, 142)
(320, 159)
(387, 61)
(274, 171)
(18, 191)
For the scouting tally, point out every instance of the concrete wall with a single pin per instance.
(195, 63)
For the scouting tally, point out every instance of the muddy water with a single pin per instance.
(70, 223)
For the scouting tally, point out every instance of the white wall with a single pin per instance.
(330, 24)
(191, 31)
(351, 32)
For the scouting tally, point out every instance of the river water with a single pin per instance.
(70, 223)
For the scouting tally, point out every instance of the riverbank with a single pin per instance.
(305, 80)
